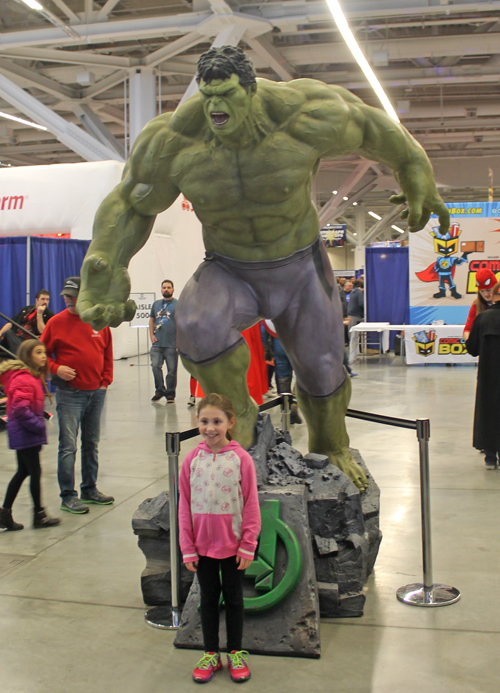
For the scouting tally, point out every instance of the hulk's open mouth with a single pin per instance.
(219, 118)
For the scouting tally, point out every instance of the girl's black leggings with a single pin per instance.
(210, 572)
(28, 464)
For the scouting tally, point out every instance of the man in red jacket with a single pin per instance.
(81, 362)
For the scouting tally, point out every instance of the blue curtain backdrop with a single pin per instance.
(52, 261)
(12, 275)
(387, 286)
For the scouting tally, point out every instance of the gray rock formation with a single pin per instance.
(151, 523)
(292, 627)
(343, 525)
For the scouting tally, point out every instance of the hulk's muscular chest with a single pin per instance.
(251, 181)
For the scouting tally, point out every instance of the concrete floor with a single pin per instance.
(71, 612)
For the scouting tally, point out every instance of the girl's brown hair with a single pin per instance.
(219, 402)
(480, 303)
(25, 354)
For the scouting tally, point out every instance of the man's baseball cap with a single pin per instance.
(71, 287)
(485, 279)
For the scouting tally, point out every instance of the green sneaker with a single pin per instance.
(96, 497)
(73, 505)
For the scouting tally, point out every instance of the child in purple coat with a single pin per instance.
(26, 428)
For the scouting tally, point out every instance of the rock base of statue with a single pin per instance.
(336, 527)
(291, 626)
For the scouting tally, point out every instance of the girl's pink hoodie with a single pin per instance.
(219, 513)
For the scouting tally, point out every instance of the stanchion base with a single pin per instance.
(417, 594)
(163, 617)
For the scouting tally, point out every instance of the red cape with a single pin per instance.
(430, 274)
(257, 372)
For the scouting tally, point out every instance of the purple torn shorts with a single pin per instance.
(298, 293)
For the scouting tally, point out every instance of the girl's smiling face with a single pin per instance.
(213, 425)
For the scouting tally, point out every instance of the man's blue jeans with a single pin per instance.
(77, 408)
(171, 357)
(281, 361)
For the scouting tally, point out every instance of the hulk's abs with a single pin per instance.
(254, 203)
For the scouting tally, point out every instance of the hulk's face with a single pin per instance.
(226, 104)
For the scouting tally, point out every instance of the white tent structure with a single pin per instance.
(63, 198)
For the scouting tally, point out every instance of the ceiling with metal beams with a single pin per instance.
(438, 61)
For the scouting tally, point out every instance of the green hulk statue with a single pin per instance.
(245, 153)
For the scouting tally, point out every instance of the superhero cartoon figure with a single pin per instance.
(443, 269)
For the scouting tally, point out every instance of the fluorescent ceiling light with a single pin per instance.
(354, 204)
(50, 16)
(334, 192)
(352, 44)
(375, 215)
(346, 198)
(396, 228)
(21, 120)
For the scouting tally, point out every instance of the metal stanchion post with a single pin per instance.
(286, 401)
(168, 617)
(426, 593)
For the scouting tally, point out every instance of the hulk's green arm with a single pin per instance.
(123, 224)
(337, 123)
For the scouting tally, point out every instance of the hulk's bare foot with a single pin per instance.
(325, 417)
(346, 463)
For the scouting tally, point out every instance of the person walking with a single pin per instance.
(484, 341)
(81, 362)
(163, 333)
(26, 429)
(219, 523)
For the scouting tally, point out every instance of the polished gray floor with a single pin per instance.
(71, 613)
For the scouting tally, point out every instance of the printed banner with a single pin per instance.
(333, 236)
(143, 303)
(436, 344)
(443, 267)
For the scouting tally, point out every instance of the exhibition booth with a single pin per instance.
(46, 219)
(425, 290)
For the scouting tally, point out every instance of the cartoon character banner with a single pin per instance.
(436, 344)
(443, 267)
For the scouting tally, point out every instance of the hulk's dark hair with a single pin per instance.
(221, 63)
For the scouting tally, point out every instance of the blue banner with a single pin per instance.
(473, 209)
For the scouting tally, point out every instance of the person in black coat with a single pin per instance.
(484, 341)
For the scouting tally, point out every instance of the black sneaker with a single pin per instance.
(156, 397)
(96, 497)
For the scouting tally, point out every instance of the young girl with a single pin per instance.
(219, 523)
(26, 428)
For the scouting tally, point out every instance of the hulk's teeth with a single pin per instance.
(219, 118)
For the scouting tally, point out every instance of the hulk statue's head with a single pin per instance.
(227, 86)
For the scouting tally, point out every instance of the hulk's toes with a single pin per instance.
(345, 462)
(244, 431)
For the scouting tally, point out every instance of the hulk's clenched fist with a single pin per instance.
(245, 153)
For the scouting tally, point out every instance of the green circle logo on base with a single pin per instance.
(262, 568)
